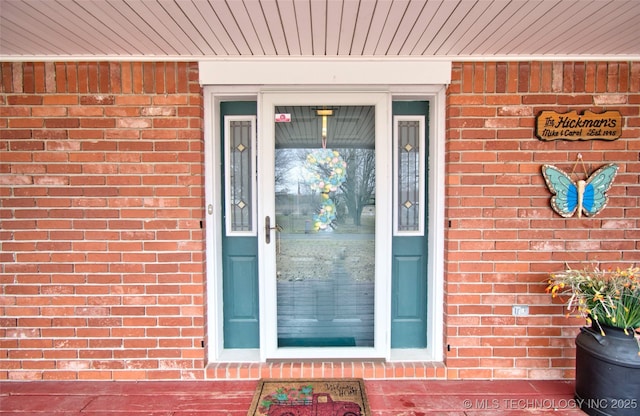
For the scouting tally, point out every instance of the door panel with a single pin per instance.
(240, 296)
(409, 248)
(409, 294)
(239, 247)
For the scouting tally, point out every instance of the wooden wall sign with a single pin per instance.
(573, 126)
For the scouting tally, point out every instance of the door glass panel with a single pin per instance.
(325, 210)
(240, 174)
(408, 175)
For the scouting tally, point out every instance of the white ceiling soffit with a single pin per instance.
(203, 29)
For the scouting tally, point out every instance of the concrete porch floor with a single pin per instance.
(233, 398)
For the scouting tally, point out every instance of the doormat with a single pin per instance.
(310, 397)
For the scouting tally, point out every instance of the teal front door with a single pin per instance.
(239, 228)
(409, 279)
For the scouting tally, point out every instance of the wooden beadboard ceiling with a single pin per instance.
(200, 29)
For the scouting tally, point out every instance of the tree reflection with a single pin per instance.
(351, 198)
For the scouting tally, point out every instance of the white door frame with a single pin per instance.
(410, 79)
(266, 252)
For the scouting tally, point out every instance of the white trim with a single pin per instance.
(213, 229)
(326, 71)
(421, 172)
(267, 266)
(435, 305)
(227, 177)
(213, 222)
(239, 355)
(439, 58)
(436, 95)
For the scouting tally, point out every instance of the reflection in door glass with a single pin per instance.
(325, 204)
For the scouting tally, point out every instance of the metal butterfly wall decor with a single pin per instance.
(588, 196)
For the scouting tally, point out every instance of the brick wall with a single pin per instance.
(102, 198)
(503, 238)
(102, 251)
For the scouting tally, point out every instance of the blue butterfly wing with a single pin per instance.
(565, 199)
(595, 197)
(572, 197)
(588, 199)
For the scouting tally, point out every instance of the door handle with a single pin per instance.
(268, 228)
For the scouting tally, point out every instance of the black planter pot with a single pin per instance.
(607, 373)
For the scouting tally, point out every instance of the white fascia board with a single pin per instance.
(438, 58)
(329, 71)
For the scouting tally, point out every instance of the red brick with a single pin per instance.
(121, 237)
(113, 72)
(524, 76)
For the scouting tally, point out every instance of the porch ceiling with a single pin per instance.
(348, 127)
(201, 29)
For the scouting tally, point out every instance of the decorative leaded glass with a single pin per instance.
(240, 178)
(409, 198)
